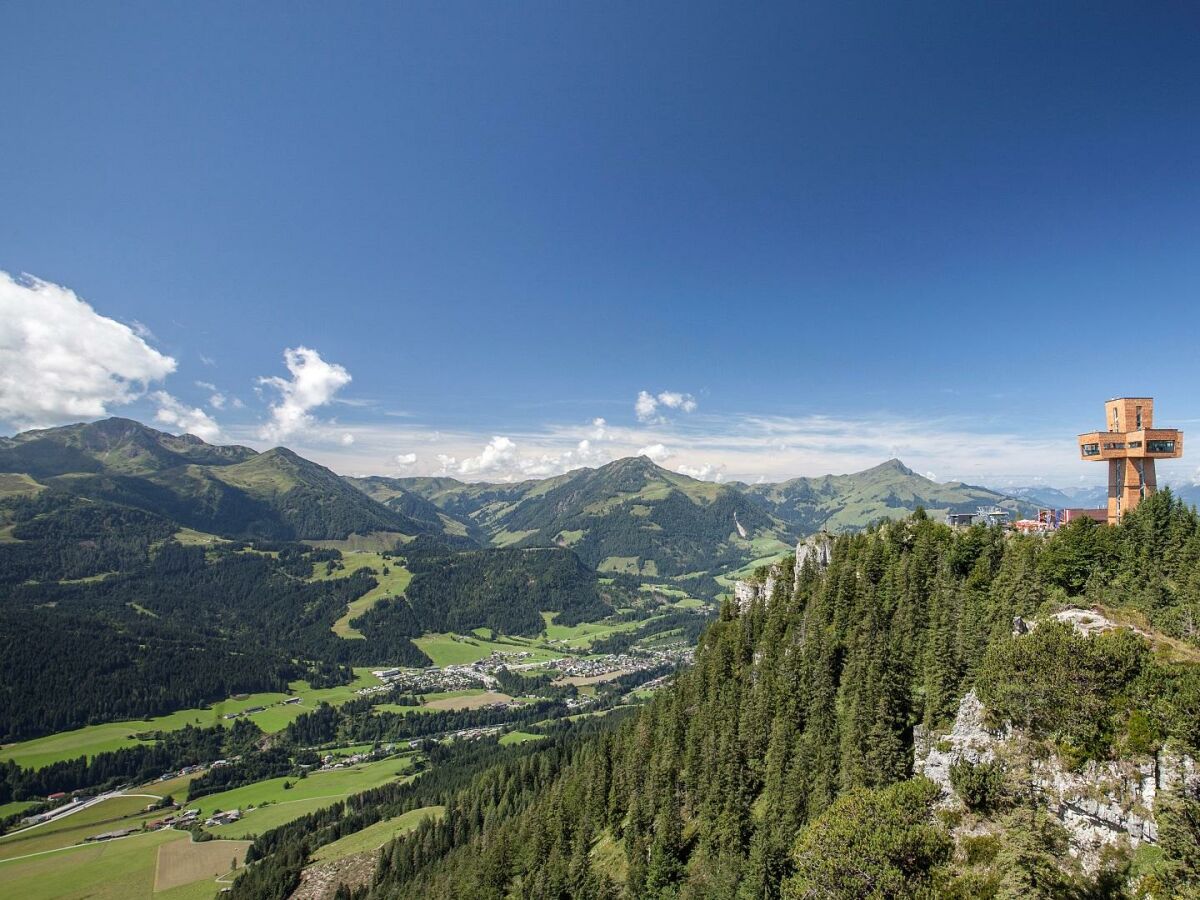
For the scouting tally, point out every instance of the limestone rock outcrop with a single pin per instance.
(817, 547)
(1101, 805)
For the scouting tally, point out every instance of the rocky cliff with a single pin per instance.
(1101, 805)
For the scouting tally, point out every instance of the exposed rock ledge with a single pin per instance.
(1102, 805)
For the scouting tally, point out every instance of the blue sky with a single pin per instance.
(844, 231)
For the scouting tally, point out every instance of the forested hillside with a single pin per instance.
(628, 516)
(782, 764)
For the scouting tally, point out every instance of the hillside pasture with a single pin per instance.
(393, 584)
(93, 739)
(185, 862)
(375, 836)
(275, 805)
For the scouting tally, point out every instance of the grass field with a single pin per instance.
(306, 795)
(123, 869)
(184, 862)
(519, 737)
(109, 815)
(580, 637)
(445, 650)
(16, 806)
(470, 700)
(113, 735)
(375, 836)
(392, 584)
(13, 484)
(114, 870)
(191, 538)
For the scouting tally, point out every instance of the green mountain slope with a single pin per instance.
(634, 516)
(231, 491)
(628, 516)
(115, 446)
(890, 490)
(394, 495)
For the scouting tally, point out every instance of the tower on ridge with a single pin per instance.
(1130, 446)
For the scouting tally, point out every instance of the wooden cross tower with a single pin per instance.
(1130, 446)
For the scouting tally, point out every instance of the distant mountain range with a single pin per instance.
(629, 516)
(1092, 497)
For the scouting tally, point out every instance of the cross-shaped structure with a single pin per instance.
(1130, 446)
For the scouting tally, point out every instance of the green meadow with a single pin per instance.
(519, 737)
(95, 739)
(16, 806)
(113, 870)
(447, 649)
(580, 637)
(375, 836)
(393, 584)
(274, 804)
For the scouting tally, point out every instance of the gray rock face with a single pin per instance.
(817, 547)
(746, 592)
(969, 739)
(1102, 805)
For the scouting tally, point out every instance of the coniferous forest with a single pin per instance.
(782, 765)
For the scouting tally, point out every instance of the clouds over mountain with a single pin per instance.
(62, 361)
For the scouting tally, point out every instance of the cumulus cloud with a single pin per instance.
(313, 383)
(60, 360)
(502, 459)
(498, 454)
(346, 439)
(190, 419)
(646, 406)
(706, 472)
(599, 430)
(405, 461)
(656, 452)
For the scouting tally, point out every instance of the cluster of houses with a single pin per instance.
(474, 734)
(624, 663)
(330, 761)
(188, 818)
(223, 818)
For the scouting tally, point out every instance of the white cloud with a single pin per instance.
(207, 360)
(313, 384)
(706, 472)
(656, 452)
(646, 406)
(205, 385)
(502, 459)
(674, 400)
(346, 440)
(405, 461)
(447, 462)
(175, 414)
(498, 454)
(61, 361)
(599, 430)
